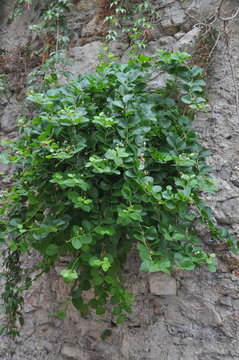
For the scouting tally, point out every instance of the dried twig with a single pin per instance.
(214, 47)
(228, 45)
(225, 19)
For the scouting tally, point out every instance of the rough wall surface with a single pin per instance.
(190, 315)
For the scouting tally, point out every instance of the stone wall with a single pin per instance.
(186, 316)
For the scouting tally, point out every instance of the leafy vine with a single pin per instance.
(104, 165)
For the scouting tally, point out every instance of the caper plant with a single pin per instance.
(108, 164)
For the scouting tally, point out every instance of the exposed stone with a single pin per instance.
(158, 309)
(166, 41)
(162, 284)
(125, 346)
(235, 304)
(179, 341)
(231, 261)
(86, 5)
(226, 301)
(179, 35)
(93, 29)
(235, 179)
(10, 116)
(188, 41)
(140, 287)
(85, 58)
(178, 17)
(227, 212)
(29, 327)
(208, 315)
(170, 29)
(42, 317)
(73, 352)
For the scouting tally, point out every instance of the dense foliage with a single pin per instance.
(107, 164)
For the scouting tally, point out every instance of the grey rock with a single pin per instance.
(188, 41)
(125, 346)
(226, 301)
(162, 284)
(85, 58)
(93, 28)
(227, 212)
(231, 261)
(235, 304)
(86, 5)
(178, 17)
(73, 352)
(8, 122)
(169, 28)
(179, 35)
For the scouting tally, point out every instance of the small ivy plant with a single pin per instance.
(108, 163)
(51, 14)
(136, 21)
(53, 21)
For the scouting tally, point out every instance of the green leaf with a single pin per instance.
(117, 311)
(102, 300)
(170, 205)
(69, 183)
(61, 315)
(108, 279)
(94, 261)
(93, 303)
(110, 154)
(223, 232)
(87, 225)
(196, 88)
(86, 285)
(4, 158)
(126, 192)
(196, 70)
(114, 300)
(97, 280)
(83, 309)
(105, 230)
(148, 265)
(212, 268)
(118, 104)
(130, 173)
(204, 153)
(186, 99)
(170, 141)
(43, 231)
(187, 264)
(151, 233)
(206, 212)
(106, 264)
(52, 249)
(199, 82)
(200, 99)
(77, 242)
(100, 311)
(143, 252)
(65, 273)
(86, 239)
(120, 319)
(135, 216)
(179, 236)
(123, 220)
